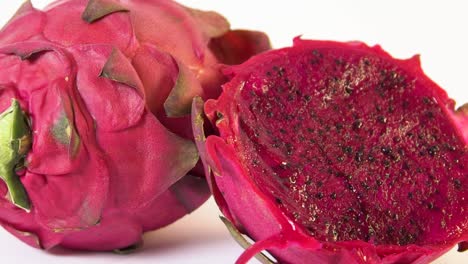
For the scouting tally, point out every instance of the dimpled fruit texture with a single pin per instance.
(353, 147)
(349, 143)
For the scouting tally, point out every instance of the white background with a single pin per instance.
(435, 29)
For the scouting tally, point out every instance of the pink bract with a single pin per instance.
(331, 152)
(107, 87)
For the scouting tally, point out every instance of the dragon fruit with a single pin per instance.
(95, 131)
(331, 152)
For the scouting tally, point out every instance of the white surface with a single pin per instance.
(435, 29)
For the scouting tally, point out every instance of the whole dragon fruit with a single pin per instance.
(337, 153)
(95, 132)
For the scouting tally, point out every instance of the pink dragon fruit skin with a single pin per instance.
(107, 87)
(331, 152)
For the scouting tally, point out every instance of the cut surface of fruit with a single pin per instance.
(348, 143)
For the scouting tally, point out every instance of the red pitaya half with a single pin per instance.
(95, 136)
(333, 152)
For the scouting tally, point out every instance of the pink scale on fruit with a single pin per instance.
(103, 157)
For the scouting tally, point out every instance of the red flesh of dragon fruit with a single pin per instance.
(337, 153)
(102, 88)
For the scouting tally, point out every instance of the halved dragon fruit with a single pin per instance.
(96, 145)
(332, 152)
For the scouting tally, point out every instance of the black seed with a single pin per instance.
(348, 149)
(426, 100)
(278, 201)
(386, 164)
(429, 114)
(358, 156)
(379, 182)
(370, 158)
(280, 89)
(382, 119)
(219, 115)
(420, 136)
(333, 196)
(256, 134)
(317, 53)
(338, 61)
(395, 158)
(289, 149)
(311, 231)
(386, 151)
(357, 124)
(430, 205)
(340, 174)
(348, 89)
(319, 195)
(401, 151)
(390, 230)
(340, 158)
(282, 131)
(433, 150)
(365, 185)
(339, 126)
(319, 184)
(350, 187)
(307, 98)
(457, 184)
